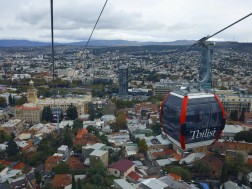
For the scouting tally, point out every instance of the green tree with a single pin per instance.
(224, 173)
(97, 179)
(46, 114)
(184, 173)
(91, 111)
(12, 148)
(242, 116)
(72, 112)
(201, 168)
(21, 101)
(10, 100)
(142, 146)
(67, 137)
(79, 184)
(73, 182)
(77, 124)
(61, 168)
(243, 135)
(156, 129)
(235, 115)
(3, 102)
(94, 130)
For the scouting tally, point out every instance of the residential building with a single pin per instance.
(81, 103)
(61, 180)
(99, 156)
(13, 126)
(236, 102)
(122, 168)
(51, 162)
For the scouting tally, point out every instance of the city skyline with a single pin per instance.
(141, 20)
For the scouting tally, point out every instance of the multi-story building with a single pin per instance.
(123, 80)
(99, 156)
(29, 112)
(205, 71)
(13, 126)
(81, 103)
(236, 102)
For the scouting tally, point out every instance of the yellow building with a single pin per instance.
(81, 104)
(29, 112)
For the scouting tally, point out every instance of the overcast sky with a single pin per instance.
(139, 20)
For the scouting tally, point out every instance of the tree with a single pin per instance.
(142, 146)
(201, 168)
(61, 168)
(67, 137)
(235, 115)
(243, 135)
(3, 102)
(77, 124)
(73, 182)
(12, 148)
(21, 101)
(121, 120)
(47, 114)
(91, 111)
(156, 129)
(184, 173)
(10, 100)
(242, 116)
(79, 186)
(72, 112)
(224, 173)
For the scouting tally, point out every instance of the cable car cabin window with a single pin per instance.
(171, 116)
(203, 119)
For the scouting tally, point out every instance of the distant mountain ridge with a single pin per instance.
(25, 43)
(105, 43)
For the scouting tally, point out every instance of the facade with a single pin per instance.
(122, 168)
(13, 126)
(161, 88)
(81, 104)
(123, 80)
(236, 102)
(99, 156)
(29, 112)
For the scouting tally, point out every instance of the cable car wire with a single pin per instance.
(96, 24)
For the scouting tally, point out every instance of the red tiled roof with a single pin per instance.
(249, 161)
(175, 176)
(134, 176)
(163, 153)
(52, 159)
(74, 163)
(4, 162)
(61, 180)
(19, 166)
(122, 165)
(81, 132)
(27, 108)
(213, 162)
(177, 156)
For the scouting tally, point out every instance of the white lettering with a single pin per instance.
(203, 134)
